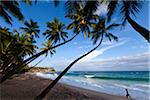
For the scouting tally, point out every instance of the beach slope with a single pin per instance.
(27, 87)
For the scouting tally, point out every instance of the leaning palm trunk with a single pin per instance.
(44, 51)
(144, 32)
(44, 93)
(29, 60)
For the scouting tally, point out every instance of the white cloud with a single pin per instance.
(102, 9)
(133, 62)
(99, 52)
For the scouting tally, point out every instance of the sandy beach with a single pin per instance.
(27, 87)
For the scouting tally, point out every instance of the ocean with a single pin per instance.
(111, 82)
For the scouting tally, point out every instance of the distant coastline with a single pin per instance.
(42, 69)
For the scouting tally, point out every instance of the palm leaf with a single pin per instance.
(13, 8)
(90, 7)
(71, 26)
(4, 14)
(112, 26)
(129, 7)
(70, 6)
(111, 37)
(112, 6)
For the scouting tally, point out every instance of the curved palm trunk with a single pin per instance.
(143, 31)
(44, 51)
(29, 60)
(44, 93)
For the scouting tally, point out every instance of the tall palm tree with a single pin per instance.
(103, 30)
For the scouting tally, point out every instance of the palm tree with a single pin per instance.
(55, 31)
(47, 45)
(80, 23)
(103, 30)
(13, 50)
(31, 29)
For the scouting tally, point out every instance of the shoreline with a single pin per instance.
(27, 87)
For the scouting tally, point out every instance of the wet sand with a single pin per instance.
(27, 87)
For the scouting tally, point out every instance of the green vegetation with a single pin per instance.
(18, 48)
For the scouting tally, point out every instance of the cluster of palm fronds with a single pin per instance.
(16, 46)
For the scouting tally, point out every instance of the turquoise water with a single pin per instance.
(141, 76)
(112, 82)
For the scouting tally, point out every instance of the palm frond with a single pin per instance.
(111, 37)
(6, 17)
(129, 7)
(71, 26)
(90, 7)
(112, 26)
(112, 6)
(13, 8)
(70, 6)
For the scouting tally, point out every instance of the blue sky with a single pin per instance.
(129, 53)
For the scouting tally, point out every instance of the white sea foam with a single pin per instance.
(117, 88)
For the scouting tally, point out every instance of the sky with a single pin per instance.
(131, 52)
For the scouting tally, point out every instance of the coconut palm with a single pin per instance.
(13, 51)
(55, 31)
(102, 28)
(31, 28)
(98, 32)
(80, 23)
(47, 45)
